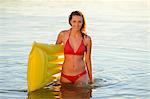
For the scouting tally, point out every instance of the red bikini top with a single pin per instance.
(69, 50)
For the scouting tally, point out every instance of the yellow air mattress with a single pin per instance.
(44, 65)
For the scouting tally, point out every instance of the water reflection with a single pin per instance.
(58, 91)
(75, 92)
(41, 94)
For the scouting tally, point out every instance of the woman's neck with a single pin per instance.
(75, 33)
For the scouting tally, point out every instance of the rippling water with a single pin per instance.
(121, 48)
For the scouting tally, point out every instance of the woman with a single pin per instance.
(77, 46)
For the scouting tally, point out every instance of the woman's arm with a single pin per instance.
(59, 38)
(88, 58)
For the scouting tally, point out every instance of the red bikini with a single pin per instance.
(69, 50)
(73, 78)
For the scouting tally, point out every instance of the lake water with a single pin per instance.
(120, 53)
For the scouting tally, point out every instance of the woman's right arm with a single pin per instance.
(59, 38)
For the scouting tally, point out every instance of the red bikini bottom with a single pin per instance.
(73, 78)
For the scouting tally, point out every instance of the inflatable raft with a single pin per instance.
(44, 65)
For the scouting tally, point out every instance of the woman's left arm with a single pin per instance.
(88, 58)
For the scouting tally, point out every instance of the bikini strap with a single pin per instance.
(69, 34)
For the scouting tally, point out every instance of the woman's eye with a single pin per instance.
(79, 21)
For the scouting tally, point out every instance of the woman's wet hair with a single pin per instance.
(83, 27)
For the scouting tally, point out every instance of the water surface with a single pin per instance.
(120, 52)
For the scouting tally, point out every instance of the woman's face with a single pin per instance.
(76, 22)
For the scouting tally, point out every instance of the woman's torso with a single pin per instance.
(73, 63)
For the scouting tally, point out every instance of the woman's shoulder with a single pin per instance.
(87, 37)
(63, 32)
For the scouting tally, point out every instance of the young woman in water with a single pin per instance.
(77, 67)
